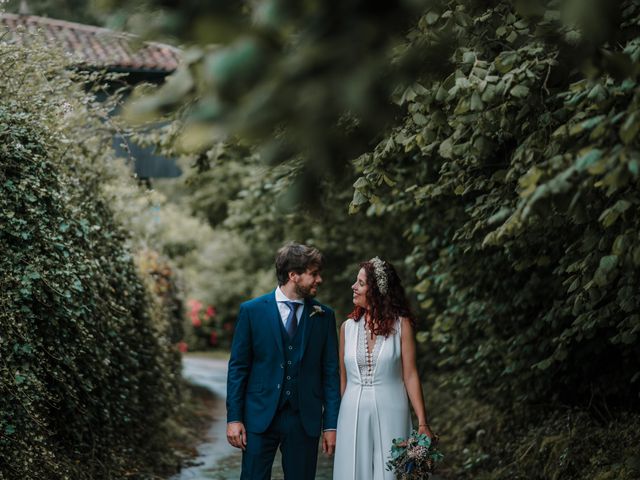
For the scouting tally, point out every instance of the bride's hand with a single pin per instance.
(427, 431)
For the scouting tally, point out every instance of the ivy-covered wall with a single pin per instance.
(88, 373)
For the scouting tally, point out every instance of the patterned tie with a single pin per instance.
(291, 324)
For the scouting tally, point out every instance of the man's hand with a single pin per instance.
(237, 435)
(329, 442)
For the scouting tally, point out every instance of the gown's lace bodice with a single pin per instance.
(367, 359)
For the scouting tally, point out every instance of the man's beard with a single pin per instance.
(304, 292)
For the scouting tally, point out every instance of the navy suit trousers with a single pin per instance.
(299, 450)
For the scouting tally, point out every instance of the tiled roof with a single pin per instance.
(93, 46)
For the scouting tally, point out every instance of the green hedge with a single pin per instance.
(540, 442)
(520, 169)
(88, 375)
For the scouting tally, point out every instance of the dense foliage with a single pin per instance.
(521, 177)
(509, 165)
(89, 376)
(307, 80)
(517, 169)
(255, 214)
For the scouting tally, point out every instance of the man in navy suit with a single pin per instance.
(283, 385)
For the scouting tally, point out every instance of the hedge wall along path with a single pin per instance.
(84, 380)
(522, 177)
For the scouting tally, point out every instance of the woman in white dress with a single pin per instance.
(378, 375)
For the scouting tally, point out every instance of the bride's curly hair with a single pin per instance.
(384, 309)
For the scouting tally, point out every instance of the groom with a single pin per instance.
(283, 387)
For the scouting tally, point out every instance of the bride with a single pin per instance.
(377, 374)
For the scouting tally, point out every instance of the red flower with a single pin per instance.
(183, 347)
(195, 306)
(211, 311)
(213, 340)
(195, 312)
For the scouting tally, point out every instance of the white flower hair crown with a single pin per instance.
(380, 274)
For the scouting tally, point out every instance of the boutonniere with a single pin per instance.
(317, 310)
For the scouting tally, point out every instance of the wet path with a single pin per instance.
(216, 458)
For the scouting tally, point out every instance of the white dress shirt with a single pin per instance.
(284, 309)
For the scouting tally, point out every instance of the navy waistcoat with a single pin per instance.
(292, 349)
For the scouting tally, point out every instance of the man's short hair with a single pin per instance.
(294, 257)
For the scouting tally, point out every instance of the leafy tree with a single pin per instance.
(524, 101)
(500, 138)
(530, 261)
(250, 208)
(310, 80)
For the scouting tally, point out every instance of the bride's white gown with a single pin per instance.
(374, 409)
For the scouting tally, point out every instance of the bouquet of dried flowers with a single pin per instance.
(414, 458)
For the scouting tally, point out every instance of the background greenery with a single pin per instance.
(488, 148)
(492, 148)
(82, 11)
(90, 376)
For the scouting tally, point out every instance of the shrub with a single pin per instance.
(88, 375)
(521, 175)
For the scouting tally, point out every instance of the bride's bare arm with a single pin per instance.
(411, 378)
(343, 373)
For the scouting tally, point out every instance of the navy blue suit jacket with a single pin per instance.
(256, 367)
